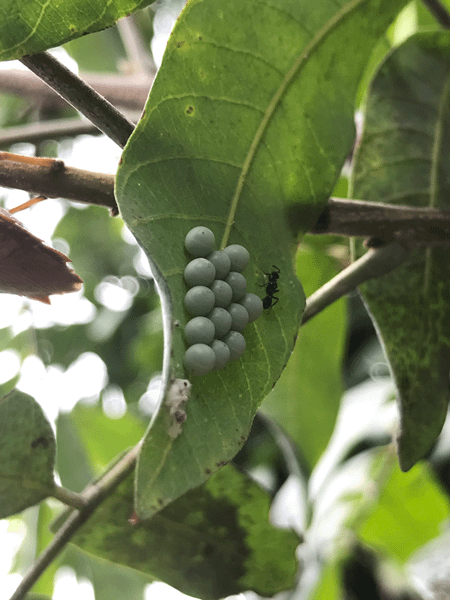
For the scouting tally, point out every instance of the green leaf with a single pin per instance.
(329, 586)
(403, 159)
(27, 453)
(111, 581)
(409, 512)
(37, 535)
(44, 536)
(304, 401)
(98, 52)
(30, 26)
(103, 438)
(73, 464)
(212, 542)
(245, 131)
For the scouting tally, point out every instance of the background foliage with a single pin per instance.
(93, 361)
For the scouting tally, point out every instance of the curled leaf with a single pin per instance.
(30, 268)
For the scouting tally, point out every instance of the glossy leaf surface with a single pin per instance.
(403, 159)
(27, 453)
(245, 131)
(30, 26)
(214, 541)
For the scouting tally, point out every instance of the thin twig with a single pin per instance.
(416, 226)
(375, 263)
(138, 55)
(55, 130)
(68, 497)
(81, 96)
(413, 226)
(439, 12)
(127, 91)
(94, 496)
(56, 180)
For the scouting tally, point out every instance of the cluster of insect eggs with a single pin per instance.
(218, 301)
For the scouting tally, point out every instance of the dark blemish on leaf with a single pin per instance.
(221, 463)
(160, 501)
(200, 38)
(181, 43)
(190, 110)
(207, 471)
(40, 441)
(180, 416)
(294, 215)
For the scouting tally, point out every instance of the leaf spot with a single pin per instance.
(40, 441)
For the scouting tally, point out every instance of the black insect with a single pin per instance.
(271, 288)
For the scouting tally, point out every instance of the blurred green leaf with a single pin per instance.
(114, 582)
(110, 581)
(213, 541)
(73, 464)
(329, 586)
(129, 341)
(27, 453)
(8, 386)
(29, 26)
(97, 248)
(402, 159)
(101, 51)
(305, 400)
(44, 584)
(425, 20)
(103, 438)
(256, 152)
(410, 510)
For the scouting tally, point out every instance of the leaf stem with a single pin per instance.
(81, 96)
(127, 91)
(439, 12)
(68, 497)
(374, 263)
(93, 496)
(54, 129)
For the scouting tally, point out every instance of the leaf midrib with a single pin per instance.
(301, 60)
(434, 174)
